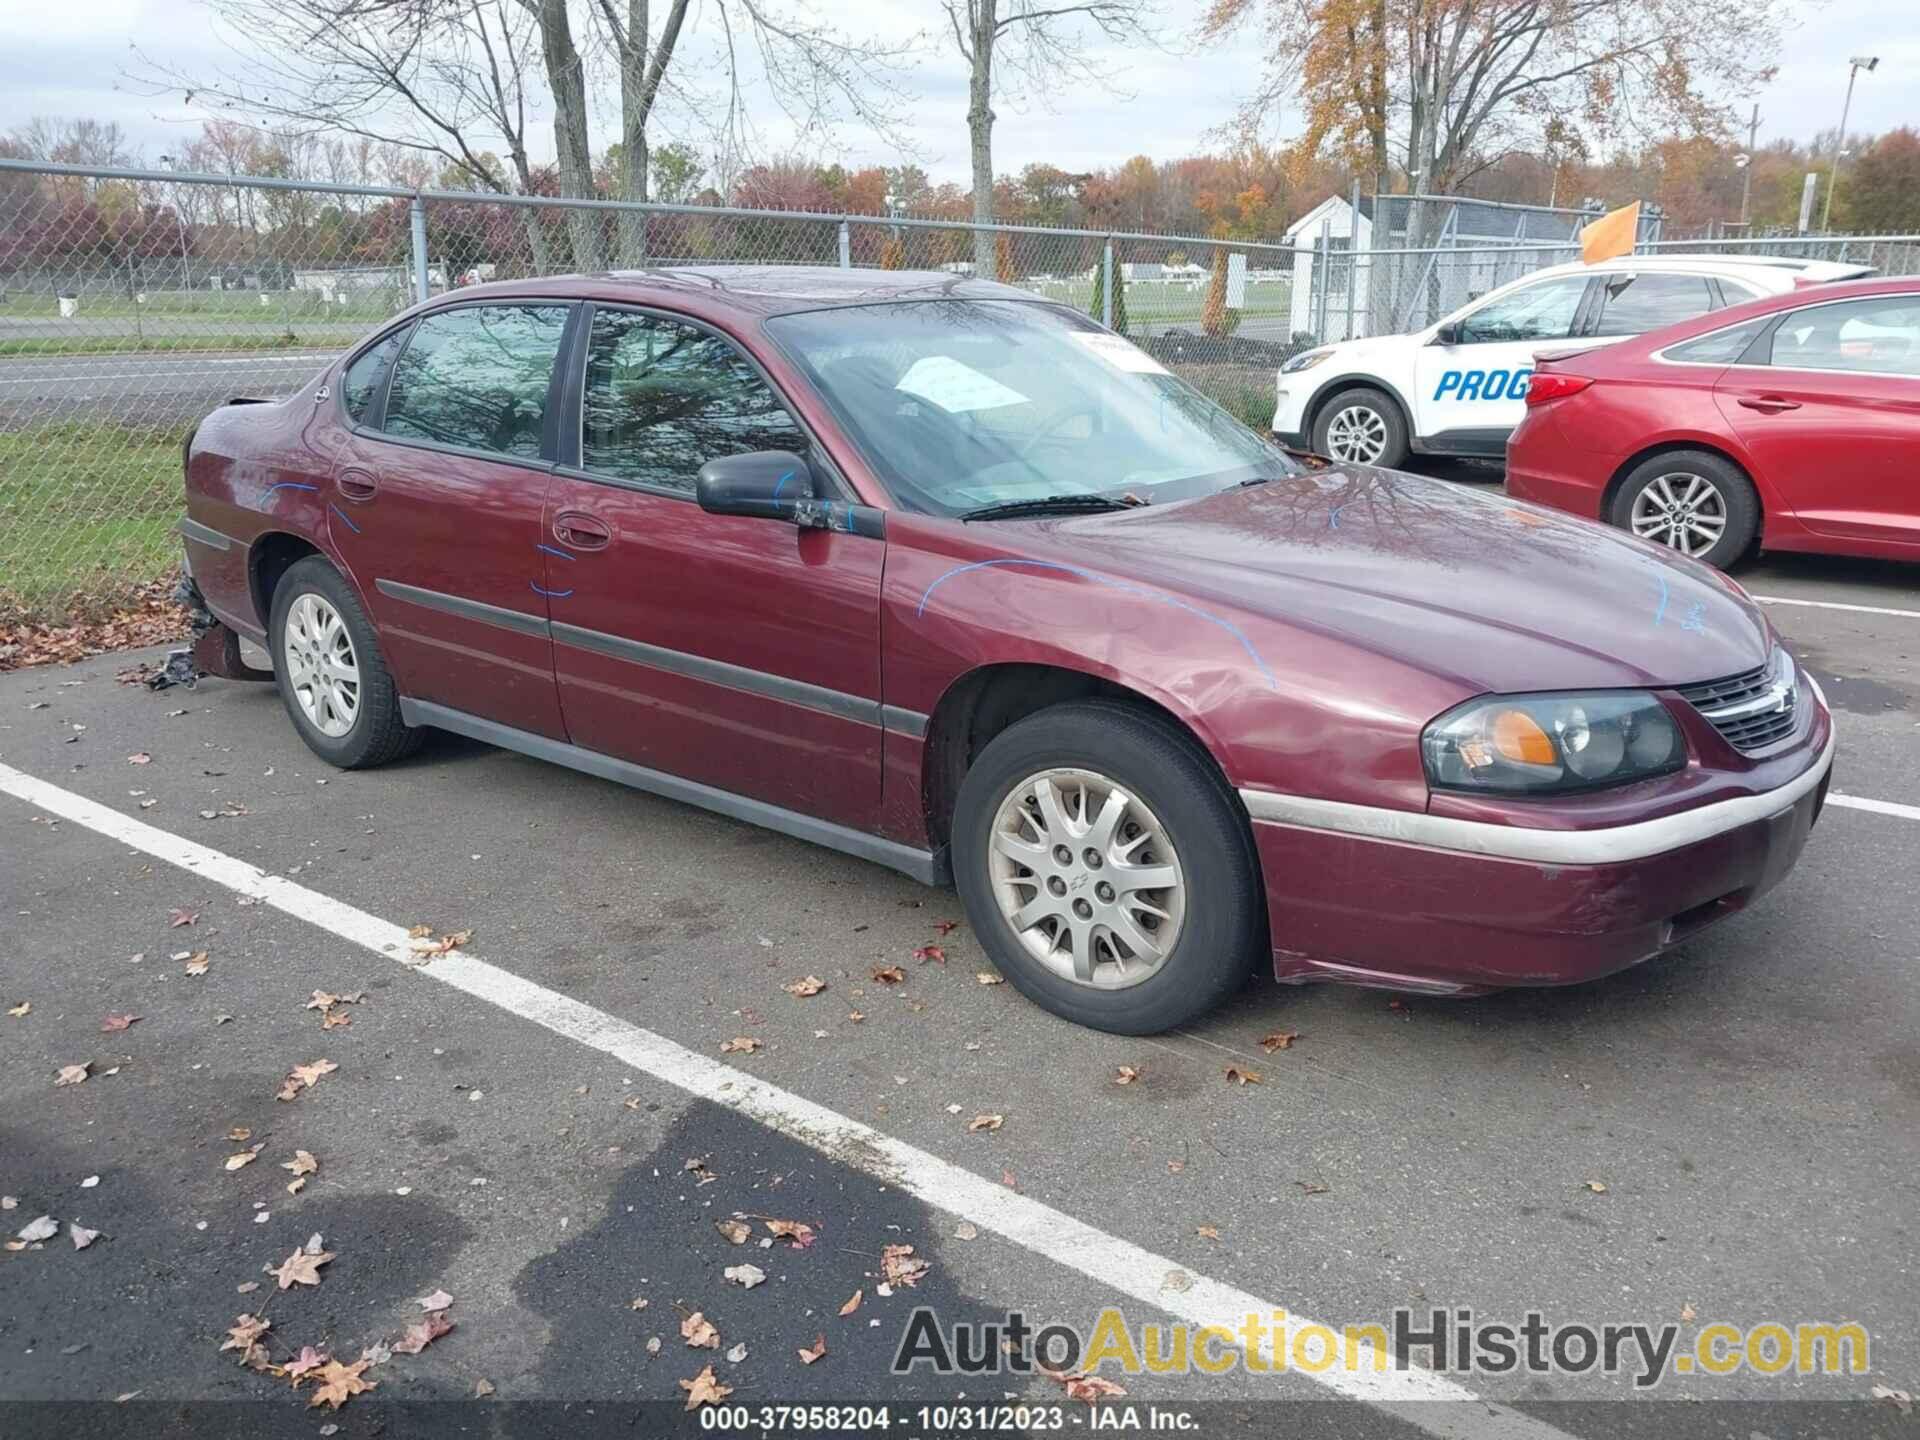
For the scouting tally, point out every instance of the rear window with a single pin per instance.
(363, 377)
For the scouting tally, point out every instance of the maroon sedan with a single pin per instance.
(929, 571)
(1791, 422)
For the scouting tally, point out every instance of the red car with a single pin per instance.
(1791, 422)
(926, 570)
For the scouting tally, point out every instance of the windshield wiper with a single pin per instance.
(1088, 503)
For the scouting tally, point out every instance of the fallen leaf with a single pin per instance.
(117, 1022)
(296, 1185)
(1279, 1040)
(1176, 1280)
(1598, 1187)
(736, 1231)
(245, 1157)
(745, 1276)
(303, 1077)
(419, 932)
(653, 1345)
(239, 1133)
(45, 1228)
(246, 1331)
(889, 974)
(482, 1388)
(177, 917)
(856, 1016)
(301, 1268)
(987, 977)
(423, 1333)
(1238, 1076)
(901, 1266)
(737, 1353)
(339, 1383)
(1312, 1187)
(985, 1122)
(807, 1357)
(446, 944)
(704, 1389)
(1089, 1388)
(73, 1074)
(308, 1359)
(1687, 1311)
(946, 927)
(1126, 1074)
(740, 1045)
(699, 1333)
(89, 1182)
(197, 962)
(798, 1231)
(853, 1304)
(1206, 1232)
(303, 1163)
(966, 1230)
(1899, 1399)
(21, 1009)
(438, 1300)
(639, 1302)
(930, 952)
(139, 757)
(805, 986)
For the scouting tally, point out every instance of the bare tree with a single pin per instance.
(1042, 45)
(442, 79)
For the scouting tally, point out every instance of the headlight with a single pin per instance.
(1547, 744)
(1305, 360)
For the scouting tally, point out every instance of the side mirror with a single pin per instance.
(769, 484)
(1447, 334)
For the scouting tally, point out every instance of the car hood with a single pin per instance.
(1465, 584)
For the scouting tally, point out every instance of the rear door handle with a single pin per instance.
(580, 531)
(1769, 404)
(358, 484)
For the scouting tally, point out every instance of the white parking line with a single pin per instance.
(1052, 1234)
(1878, 807)
(1836, 605)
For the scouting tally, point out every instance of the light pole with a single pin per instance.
(1855, 65)
(179, 219)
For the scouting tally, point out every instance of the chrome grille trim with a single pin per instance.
(1754, 709)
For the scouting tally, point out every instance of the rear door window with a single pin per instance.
(1635, 304)
(478, 378)
(1878, 336)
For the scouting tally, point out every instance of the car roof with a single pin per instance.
(754, 289)
(1774, 272)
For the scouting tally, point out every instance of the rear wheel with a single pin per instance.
(1361, 426)
(1106, 868)
(1692, 501)
(331, 676)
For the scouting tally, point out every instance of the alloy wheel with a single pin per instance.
(1357, 433)
(1087, 878)
(1683, 511)
(321, 668)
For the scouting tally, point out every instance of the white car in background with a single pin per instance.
(1459, 387)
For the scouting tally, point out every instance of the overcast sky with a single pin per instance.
(69, 58)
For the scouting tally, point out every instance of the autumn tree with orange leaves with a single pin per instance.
(1434, 90)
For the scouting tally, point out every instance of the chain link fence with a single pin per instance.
(134, 301)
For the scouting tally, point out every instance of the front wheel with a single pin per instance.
(1361, 426)
(331, 676)
(1692, 501)
(1106, 868)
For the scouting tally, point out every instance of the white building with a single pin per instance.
(1344, 229)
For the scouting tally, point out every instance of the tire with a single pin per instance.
(373, 733)
(1718, 492)
(1361, 410)
(1179, 815)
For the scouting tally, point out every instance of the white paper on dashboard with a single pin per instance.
(955, 387)
(1121, 354)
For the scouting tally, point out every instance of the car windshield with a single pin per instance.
(965, 404)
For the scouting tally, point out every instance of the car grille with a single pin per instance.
(1751, 710)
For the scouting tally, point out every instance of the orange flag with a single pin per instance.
(1612, 235)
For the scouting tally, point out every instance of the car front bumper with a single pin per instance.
(1424, 903)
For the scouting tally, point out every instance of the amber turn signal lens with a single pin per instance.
(1519, 738)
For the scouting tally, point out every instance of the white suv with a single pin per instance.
(1459, 387)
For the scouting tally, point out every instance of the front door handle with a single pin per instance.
(580, 531)
(1769, 404)
(358, 484)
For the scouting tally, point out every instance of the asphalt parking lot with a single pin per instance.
(546, 1123)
